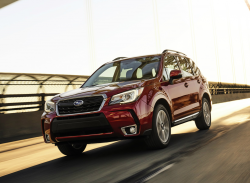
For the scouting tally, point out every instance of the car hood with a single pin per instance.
(109, 89)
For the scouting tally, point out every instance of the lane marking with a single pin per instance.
(15, 148)
(244, 120)
(157, 173)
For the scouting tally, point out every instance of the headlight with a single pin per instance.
(126, 97)
(49, 106)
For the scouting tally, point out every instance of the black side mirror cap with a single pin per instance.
(175, 77)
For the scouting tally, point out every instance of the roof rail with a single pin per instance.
(173, 51)
(118, 58)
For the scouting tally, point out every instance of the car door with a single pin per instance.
(189, 101)
(176, 91)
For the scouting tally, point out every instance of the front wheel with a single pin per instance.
(204, 121)
(71, 149)
(161, 129)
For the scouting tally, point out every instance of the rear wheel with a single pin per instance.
(204, 121)
(71, 149)
(161, 129)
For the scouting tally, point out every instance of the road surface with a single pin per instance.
(220, 154)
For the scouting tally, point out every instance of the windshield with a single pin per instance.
(126, 70)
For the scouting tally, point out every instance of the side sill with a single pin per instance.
(186, 119)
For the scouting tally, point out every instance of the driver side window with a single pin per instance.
(170, 64)
(185, 65)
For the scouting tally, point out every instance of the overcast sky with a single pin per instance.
(51, 36)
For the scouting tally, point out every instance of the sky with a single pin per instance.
(57, 37)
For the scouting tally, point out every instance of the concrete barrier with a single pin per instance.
(18, 126)
(229, 97)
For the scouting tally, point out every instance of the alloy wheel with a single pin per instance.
(206, 113)
(162, 125)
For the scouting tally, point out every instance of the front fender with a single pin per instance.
(155, 94)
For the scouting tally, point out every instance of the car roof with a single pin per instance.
(127, 58)
(118, 59)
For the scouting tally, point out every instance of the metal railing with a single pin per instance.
(21, 92)
(227, 88)
(39, 104)
(214, 87)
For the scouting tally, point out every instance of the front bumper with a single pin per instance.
(107, 123)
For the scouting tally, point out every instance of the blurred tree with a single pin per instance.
(4, 3)
(248, 5)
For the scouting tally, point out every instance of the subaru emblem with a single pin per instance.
(78, 102)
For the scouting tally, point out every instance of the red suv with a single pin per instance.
(129, 98)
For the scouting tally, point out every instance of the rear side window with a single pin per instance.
(196, 70)
(170, 63)
(185, 66)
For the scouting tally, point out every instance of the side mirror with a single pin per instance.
(175, 74)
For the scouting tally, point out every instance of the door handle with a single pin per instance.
(186, 85)
(198, 81)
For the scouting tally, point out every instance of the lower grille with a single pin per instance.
(90, 104)
(87, 131)
(80, 125)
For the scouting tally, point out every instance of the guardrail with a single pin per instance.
(227, 88)
(215, 89)
(27, 92)
(40, 104)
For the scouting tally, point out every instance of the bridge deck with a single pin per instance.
(33, 161)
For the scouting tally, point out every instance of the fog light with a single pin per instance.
(129, 130)
(132, 130)
(47, 138)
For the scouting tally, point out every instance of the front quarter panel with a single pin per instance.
(154, 94)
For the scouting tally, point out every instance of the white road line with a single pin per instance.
(158, 172)
(244, 120)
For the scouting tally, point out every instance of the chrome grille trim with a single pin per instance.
(101, 106)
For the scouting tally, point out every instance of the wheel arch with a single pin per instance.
(165, 104)
(205, 95)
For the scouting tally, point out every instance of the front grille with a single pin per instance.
(89, 104)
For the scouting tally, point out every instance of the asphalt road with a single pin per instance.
(220, 154)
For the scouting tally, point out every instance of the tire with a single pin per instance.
(71, 149)
(161, 132)
(204, 121)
